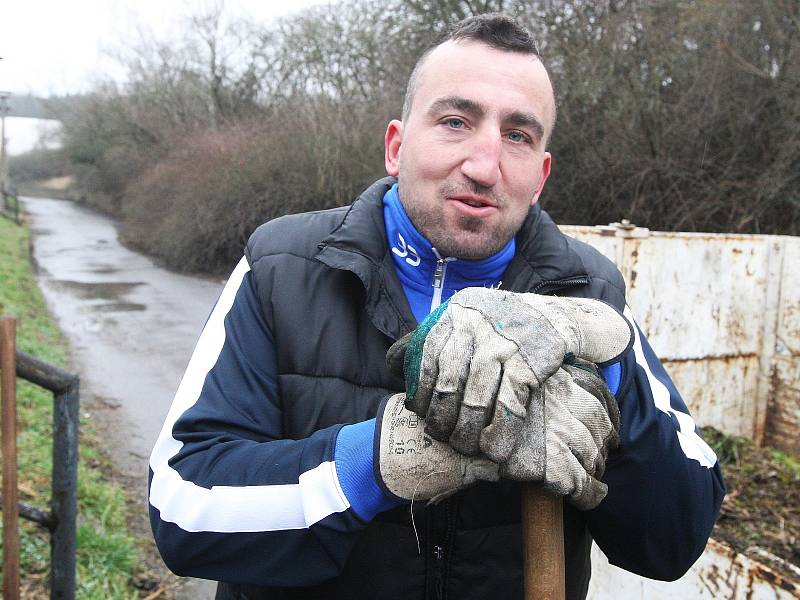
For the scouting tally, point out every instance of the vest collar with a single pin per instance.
(544, 256)
(359, 245)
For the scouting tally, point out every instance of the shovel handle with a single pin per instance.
(543, 544)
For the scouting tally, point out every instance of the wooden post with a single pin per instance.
(8, 389)
(543, 544)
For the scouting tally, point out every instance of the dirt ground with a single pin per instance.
(760, 515)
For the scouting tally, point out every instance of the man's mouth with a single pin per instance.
(475, 202)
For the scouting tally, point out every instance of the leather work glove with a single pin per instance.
(413, 466)
(570, 426)
(473, 365)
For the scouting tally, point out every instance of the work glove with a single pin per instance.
(473, 365)
(572, 422)
(412, 465)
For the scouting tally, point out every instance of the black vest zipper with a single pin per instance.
(439, 551)
(554, 285)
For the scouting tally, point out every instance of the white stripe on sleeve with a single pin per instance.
(692, 444)
(230, 509)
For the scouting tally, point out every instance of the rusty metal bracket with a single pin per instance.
(624, 229)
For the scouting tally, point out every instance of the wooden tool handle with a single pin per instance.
(542, 544)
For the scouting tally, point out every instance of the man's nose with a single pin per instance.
(482, 164)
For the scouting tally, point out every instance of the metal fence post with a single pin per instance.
(64, 487)
(64, 503)
(8, 385)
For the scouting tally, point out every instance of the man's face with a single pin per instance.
(470, 156)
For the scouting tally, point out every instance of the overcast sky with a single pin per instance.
(58, 47)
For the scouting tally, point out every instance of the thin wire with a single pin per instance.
(413, 496)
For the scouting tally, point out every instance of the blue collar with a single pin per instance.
(416, 262)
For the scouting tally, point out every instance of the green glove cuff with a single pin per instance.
(413, 353)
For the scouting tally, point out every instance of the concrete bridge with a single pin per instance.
(33, 107)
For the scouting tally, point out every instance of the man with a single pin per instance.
(279, 469)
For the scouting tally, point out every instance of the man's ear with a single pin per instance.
(392, 142)
(546, 162)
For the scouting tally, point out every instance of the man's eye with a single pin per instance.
(518, 137)
(455, 123)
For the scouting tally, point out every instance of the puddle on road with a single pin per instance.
(103, 270)
(97, 245)
(91, 290)
(117, 307)
(104, 297)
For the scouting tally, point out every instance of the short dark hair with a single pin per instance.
(493, 29)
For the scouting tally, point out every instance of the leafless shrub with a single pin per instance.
(37, 164)
(196, 207)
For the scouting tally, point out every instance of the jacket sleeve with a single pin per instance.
(665, 486)
(231, 500)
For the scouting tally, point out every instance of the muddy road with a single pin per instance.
(131, 327)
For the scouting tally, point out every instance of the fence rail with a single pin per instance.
(60, 521)
(10, 207)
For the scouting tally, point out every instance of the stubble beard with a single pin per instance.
(466, 237)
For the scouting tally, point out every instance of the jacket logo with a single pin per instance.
(406, 251)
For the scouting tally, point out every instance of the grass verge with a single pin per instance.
(107, 553)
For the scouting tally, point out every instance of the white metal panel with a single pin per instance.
(720, 573)
(783, 410)
(789, 320)
(783, 423)
(695, 295)
(699, 296)
(608, 245)
(719, 392)
(766, 381)
(723, 313)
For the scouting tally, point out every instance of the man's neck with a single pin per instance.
(427, 277)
